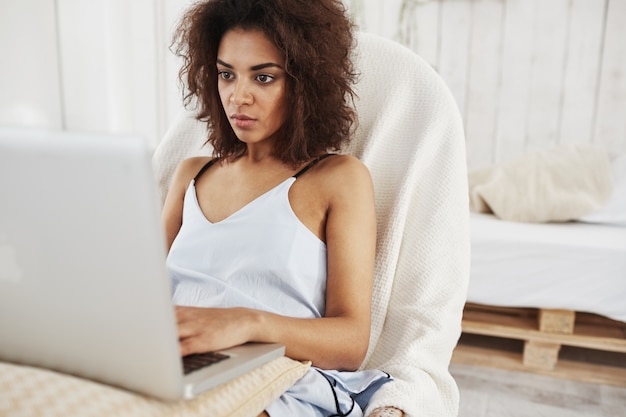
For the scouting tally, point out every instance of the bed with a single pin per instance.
(550, 285)
(571, 266)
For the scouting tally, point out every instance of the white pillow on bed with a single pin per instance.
(614, 211)
(558, 184)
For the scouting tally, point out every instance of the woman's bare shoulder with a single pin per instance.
(344, 171)
(188, 168)
(194, 163)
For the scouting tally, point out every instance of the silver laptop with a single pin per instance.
(83, 284)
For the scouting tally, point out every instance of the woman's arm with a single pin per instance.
(340, 339)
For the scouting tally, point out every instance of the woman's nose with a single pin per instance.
(241, 94)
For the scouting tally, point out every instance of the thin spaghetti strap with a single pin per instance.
(313, 162)
(204, 168)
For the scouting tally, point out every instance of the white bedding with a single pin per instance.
(573, 266)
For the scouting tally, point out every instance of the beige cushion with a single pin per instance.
(558, 184)
(33, 392)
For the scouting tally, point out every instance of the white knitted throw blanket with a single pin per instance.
(411, 138)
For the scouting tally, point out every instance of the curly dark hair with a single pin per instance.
(316, 38)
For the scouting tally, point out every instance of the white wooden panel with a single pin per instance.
(29, 77)
(483, 81)
(611, 120)
(517, 42)
(82, 36)
(169, 13)
(356, 9)
(389, 18)
(419, 28)
(131, 74)
(547, 73)
(141, 64)
(367, 14)
(454, 44)
(108, 64)
(580, 79)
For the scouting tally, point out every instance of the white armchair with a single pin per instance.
(411, 138)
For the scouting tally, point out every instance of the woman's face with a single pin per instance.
(252, 84)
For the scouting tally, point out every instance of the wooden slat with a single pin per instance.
(512, 311)
(540, 355)
(387, 17)
(512, 361)
(483, 80)
(517, 41)
(601, 321)
(495, 319)
(610, 128)
(419, 28)
(588, 342)
(557, 321)
(582, 65)
(550, 29)
(455, 32)
(525, 328)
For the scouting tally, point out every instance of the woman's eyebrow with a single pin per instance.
(219, 61)
(254, 67)
(266, 65)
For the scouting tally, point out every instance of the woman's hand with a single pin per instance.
(387, 412)
(210, 329)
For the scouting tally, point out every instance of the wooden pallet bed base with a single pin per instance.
(543, 333)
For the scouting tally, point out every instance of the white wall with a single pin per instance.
(30, 89)
(525, 73)
(108, 62)
(86, 65)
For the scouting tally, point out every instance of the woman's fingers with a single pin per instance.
(207, 329)
(387, 412)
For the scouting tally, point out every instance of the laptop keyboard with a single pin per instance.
(200, 360)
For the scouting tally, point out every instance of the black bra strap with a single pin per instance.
(313, 162)
(296, 175)
(204, 168)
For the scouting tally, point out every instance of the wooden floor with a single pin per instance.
(490, 392)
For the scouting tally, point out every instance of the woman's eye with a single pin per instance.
(264, 78)
(225, 75)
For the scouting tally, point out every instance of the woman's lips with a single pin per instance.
(242, 121)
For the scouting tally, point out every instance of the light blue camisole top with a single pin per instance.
(260, 257)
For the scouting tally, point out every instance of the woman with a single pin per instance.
(273, 238)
